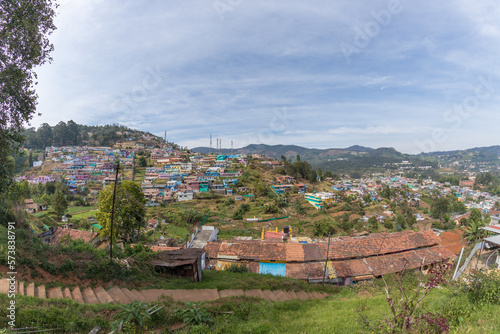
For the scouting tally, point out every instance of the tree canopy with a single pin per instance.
(24, 30)
(129, 213)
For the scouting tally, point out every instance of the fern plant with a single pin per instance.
(193, 315)
(134, 314)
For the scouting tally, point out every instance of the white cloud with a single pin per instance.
(226, 76)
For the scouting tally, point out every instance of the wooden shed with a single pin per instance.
(181, 262)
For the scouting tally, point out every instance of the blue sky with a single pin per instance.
(416, 76)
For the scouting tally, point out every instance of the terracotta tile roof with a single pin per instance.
(351, 268)
(351, 257)
(381, 243)
(386, 264)
(294, 252)
(212, 249)
(247, 251)
(312, 252)
(163, 248)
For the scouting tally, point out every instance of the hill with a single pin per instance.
(73, 134)
(341, 160)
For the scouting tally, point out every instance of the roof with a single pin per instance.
(380, 243)
(492, 228)
(493, 240)
(178, 257)
(351, 248)
(381, 265)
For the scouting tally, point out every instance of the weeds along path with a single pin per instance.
(118, 295)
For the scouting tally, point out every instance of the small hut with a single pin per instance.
(181, 262)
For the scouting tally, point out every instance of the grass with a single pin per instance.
(222, 280)
(74, 209)
(85, 215)
(336, 314)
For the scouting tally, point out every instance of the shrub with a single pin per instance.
(270, 208)
(193, 315)
(299, 208)
(485, 288)
(458, 310)
(237, 268)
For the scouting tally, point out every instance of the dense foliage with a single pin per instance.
(24, 45)
(72, 134)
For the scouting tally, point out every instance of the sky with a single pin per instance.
(418, 76)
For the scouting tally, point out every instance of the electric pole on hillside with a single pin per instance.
(326, 261)
(210, 150)
(231, 147)
(117, 166)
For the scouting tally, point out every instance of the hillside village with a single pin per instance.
(201, 213)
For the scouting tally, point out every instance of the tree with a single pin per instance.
(73, 133)
(320, 174)
(373, 223)
(50, 188)
(476, 216)
(142, 162)
(323, 228)
(129, 213)
(473, 232)
(400, 221)
(24, 30)
(45, 135)
(440, 207)
(59, 203)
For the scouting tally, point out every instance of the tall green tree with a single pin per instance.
(45, 135)
(59, 203)
(24, 30)
(129, 212)
(373, 223)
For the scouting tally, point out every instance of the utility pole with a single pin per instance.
(326, 261)
(113, 212)
(210, 150)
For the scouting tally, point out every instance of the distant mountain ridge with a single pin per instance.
(359, 158)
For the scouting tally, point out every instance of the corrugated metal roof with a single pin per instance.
(493, 240)
(179, 257)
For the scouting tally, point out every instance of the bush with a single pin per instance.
(458, 310)
(485, 288)
(270, 208)
(299, 208)
(237, 268)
